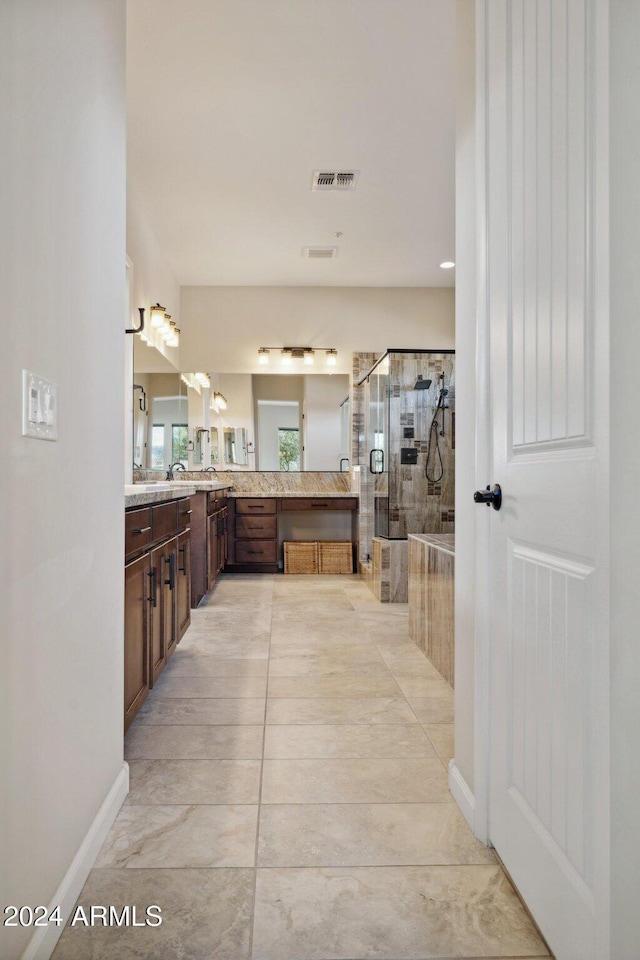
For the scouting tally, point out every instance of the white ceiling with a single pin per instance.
(234, 103)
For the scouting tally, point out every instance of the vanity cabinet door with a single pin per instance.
(170, 596)
(136, 636)
(183, 586)
(158, 647)
(222, 539)
(212, 549)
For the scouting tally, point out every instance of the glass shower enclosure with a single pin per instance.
(409, 473)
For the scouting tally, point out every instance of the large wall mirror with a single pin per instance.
(269, 422)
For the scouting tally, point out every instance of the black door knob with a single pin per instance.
(492, 496)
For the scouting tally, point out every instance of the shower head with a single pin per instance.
(422, 384)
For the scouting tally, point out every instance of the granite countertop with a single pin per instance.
(145, 494)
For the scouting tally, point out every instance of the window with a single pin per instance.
(289, 448)
(157, 446)
(179, 443)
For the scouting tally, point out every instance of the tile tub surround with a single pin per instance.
(431, 598)
(389, 570)
(289, 795)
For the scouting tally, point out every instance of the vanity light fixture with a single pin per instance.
(306, 354)
(139, 328)
(157, 316)
(191, 382)
(203, 380)
(173, 340)
(220, 401)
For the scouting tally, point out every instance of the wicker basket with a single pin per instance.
(336, 557)
(300, 557)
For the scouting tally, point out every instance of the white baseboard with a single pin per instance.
(43, 942)
(462, 794)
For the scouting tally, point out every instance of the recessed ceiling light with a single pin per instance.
(447, 264)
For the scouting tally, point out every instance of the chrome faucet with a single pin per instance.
(177, 466)
(209, 469)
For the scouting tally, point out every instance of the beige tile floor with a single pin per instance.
(289, 795)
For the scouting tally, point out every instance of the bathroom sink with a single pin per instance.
(147, 487)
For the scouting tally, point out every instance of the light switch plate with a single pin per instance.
(39, 407)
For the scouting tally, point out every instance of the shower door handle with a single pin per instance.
(491, 496)
(376, 463)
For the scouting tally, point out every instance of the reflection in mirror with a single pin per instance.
(235, 445)
(199, 434)
(160, 421)
(215, 453)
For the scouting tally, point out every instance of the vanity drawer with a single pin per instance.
(184, 513)
(164, 520)
(137, 530)
(216, 500)
(255, 505)
(256, 527)
(256, 551)
(319, 503)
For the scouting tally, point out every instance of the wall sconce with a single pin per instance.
(157, 316)
(173, 340)
(190, 381)
(196, 381)
(220, 401)
(141, 327)
(306, 354)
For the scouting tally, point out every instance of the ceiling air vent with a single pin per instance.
(320, 253)
(334, 180)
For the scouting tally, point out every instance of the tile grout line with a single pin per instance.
(264, 736)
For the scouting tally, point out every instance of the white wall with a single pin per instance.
(61, 583)
(271, 417)
(625, 474)
(323, 429)
(223, 327)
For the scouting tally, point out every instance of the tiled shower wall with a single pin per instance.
(416, 504)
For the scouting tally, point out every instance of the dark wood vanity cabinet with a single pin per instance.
(136, 636)
(209, 541)
(157, 594)
(254, 534)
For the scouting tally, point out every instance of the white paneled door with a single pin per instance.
(543, 89)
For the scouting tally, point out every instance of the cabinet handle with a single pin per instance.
(153, 599)
(256, 506)
(255, 552)
(141, 530)
(186, 513)
(171, 582)
(183, 568)
(319, 506)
